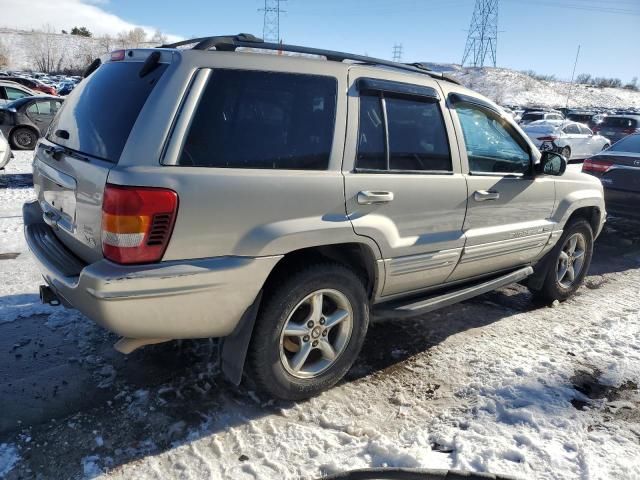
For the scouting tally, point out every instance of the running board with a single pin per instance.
(399, 310)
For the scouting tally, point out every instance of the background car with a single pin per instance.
(33, 84)
(65, 87)
(10, 91)
(25, 120)
(616, 127)
(5, 151)
(618, 169)
(587, 117)
(572, 140)
(534, 116)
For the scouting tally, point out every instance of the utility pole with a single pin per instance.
(483, 34)
(572, 77)
(397, 52)
(271, 26)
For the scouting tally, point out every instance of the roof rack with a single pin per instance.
(229, 43)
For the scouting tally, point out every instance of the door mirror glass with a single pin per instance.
(552, 163)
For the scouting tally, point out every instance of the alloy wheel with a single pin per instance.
(316, 332)
(571, 260)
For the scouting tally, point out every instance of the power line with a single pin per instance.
(483, 34)
(582, 7)
(271, 26)
(397, 52)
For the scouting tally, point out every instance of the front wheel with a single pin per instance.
(309, 331)
(569, 262)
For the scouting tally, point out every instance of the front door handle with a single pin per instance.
(374, 198)
(483, 195)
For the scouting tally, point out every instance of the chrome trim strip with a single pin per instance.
(426, 261)
(503, 247)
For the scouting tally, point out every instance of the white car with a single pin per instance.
(5, 151)
(535, 116)
(572, 140)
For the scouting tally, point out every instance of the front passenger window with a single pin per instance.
(491, 143)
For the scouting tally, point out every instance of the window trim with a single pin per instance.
(483, 106)
(387, 153)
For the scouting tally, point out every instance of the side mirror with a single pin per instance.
(552, 163)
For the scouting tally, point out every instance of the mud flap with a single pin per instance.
(540, 270)
(235, 346)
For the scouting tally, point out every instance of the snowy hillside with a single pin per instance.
(506, 86)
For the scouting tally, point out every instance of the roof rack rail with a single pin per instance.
(230, 43)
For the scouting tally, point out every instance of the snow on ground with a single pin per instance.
(506, 86)
(497, 384)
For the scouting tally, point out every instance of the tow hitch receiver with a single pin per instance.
(48, 296)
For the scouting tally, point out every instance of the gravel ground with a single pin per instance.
(499, 384)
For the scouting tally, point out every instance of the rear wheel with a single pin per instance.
(309, 331)
(23, 139)
(566, 152)
(569, 262)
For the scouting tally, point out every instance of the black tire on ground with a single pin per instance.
(265, 365)
(566, 153)
(552, 289)
(23, 138)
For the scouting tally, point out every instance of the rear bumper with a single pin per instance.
(169, 300)
(622, 203)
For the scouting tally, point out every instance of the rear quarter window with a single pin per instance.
(264, 120)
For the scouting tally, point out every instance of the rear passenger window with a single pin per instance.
(417, 136)
(414, 133)
(572, 129)
(249, 119)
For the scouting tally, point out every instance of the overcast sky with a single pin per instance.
(540, 35)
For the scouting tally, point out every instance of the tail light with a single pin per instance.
(596, 166)
(137, 223)
(549, 138)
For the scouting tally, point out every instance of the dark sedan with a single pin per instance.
(25, 120)
(618, 168)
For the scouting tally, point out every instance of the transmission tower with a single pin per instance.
(483, 34)
(397, 52)
(271, 27)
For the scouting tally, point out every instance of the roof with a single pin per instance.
(230, 43)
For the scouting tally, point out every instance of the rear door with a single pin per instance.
(84, 142)
(402, 177)
(507, 222)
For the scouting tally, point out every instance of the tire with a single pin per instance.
(566, 153)
(290, 301)
(23, 138)
(554, 287)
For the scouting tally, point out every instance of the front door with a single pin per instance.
(403, 184)
(509, 208)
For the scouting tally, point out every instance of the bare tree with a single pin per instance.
(4, 55)
(47, 54)
(158, 38)
(133, 38)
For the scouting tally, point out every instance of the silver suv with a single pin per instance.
(282, 201)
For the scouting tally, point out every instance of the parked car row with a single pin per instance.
(41, 82)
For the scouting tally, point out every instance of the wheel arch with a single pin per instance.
(359, 257)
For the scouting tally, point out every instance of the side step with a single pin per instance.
(406, 310)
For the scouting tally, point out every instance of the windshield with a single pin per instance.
(533, 116)
(620, 122)
(100, 112)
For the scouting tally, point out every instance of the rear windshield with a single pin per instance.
(620, 122)
(533, 116)
(100, 112)
(630, 143)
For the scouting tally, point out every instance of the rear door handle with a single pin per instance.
(374, 198)
(483, 195)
